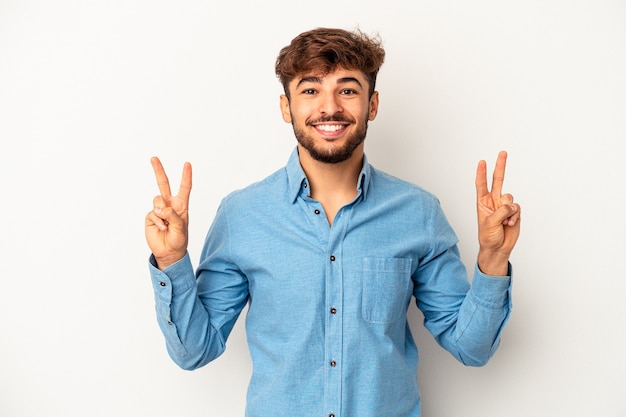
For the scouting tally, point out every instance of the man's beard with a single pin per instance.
(331, 154)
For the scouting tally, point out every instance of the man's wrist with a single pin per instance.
(167, 261)
(493, 263)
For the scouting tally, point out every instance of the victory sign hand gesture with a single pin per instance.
(498, 219)
(167, 223)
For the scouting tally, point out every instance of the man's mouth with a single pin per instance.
(330, 128)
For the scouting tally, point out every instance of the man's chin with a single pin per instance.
(329, 151)
(328, 156)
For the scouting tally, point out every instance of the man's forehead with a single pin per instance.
(337, 72)
(338, 75)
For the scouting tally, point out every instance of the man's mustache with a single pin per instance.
(333, 118)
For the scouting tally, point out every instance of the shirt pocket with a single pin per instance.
(386, 289)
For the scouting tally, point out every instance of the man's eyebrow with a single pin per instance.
(318, 80)
(311, 79)
(349, 80)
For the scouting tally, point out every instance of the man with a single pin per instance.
(327, 253)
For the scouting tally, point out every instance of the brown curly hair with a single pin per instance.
(326, 49)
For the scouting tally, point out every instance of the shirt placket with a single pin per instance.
(332, 238)
(333, 340)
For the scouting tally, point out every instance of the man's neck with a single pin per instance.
(333, 185)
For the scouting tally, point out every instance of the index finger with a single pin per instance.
(498, 174)
(161, 177)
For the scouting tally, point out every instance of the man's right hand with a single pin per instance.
(167, 223)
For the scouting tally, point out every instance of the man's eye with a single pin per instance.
(308, 91)
(348, 92)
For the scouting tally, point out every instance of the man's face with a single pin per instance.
(329, 113)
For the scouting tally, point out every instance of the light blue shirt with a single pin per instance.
(327, 306)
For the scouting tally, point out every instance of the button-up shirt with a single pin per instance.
(327, 305)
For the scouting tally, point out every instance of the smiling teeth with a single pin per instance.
(329, 128)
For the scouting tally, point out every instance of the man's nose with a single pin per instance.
(330, 104)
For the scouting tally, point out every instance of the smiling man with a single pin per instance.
(329, 113)
(327, 253)
(337, 106)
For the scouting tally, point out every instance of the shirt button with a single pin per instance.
(332, 258)
(333, 310)
(331, 415)
(317, 211)
(333, 363)
(162, 284)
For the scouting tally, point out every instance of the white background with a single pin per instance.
(89, 90)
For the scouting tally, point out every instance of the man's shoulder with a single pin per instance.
(270, 186)
(388, 183)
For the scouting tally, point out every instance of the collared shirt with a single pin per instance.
(327, 305)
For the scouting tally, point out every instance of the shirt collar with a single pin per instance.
(298, 182)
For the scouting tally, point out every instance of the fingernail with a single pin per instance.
(157, 210)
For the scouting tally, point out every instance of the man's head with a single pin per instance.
(329, 78)
(324, 50)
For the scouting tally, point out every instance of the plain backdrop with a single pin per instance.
(90, 90)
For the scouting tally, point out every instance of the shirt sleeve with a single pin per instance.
(466, 320)
(485, 311)
(196, 311)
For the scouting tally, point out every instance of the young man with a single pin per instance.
(327, 252)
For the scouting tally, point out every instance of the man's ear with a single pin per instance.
(373, 111)
(284, 108)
